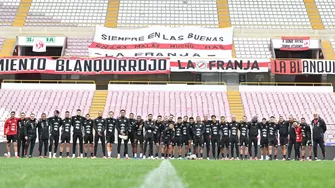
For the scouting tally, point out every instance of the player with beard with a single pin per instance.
(215, 137)
(149, 127)
(264, 127)
(190, 131)
(21, 124)
(165, 125)
(66, 135)
(110, 133)
(157, 134)
(171, 120)
(233, 127)
(225, 140)
(131, 132)
(243, 127)
(10, 132)
(167, 139)
(55, 124)
(99, 127)
(43, 135)
(78, 131)
(273, 142)
(292, 136)
(178, 137)
(306, 139)
(31, 134)
(253, 140)
(198, 140)
(319, 129)
(283, 135)
(122, 126)
(207, 135)
(186, 136)
(88, 138)
(139, 136)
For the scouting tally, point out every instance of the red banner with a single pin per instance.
(286, 66)
(295, 43)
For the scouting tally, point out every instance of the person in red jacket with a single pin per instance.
(10, 129)
(298, 138)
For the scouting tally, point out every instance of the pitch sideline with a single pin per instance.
(164, 176)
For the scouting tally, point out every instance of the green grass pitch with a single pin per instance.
(82, 173)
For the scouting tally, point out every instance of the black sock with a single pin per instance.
(245, 156)
(227, 155)
(67, 154)
(179, 155)
(60, 153)
(275, 156)
(85, 154)
(284, 156)
(303, 157)
(310, 157)
(270, 156)
(156, 154)
(185, 154)
(241, 156)
(91, 154)
(166, 155)
(201, 155)
(189, 150)
(196, 155)
(222, 154)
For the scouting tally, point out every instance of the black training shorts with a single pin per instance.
(244, 141)
(110, 139)
(65, 138)
(88, 139)
(273, 142)
(264, 142)
(283, 141)
(306, 142)
(225, 142)
(11, 138)
(198, 141)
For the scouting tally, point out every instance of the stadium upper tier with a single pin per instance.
(256, 14)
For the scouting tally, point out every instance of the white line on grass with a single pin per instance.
(164, 176)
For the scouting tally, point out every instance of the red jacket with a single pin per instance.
(10, 126)
(298, 134)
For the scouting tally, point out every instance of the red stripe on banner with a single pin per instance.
(293, 66)
(84, 73)
(244, 65)
(295, 38)
(161, 46)
(295, 49)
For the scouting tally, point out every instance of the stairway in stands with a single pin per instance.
(327, 49)
(235, 104)
(22, 13)
(8, 47)
(112, 13)
(98, 102)
(313, 14)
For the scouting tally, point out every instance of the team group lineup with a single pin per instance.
(220, 136)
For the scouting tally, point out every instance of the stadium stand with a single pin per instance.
(252, 47)
(328, 47)
(326, 9)
(191, 103)
(174, 13)
(69, 13)
(39, 101)
(272, 14)
(77, 46)
(7, 46)
(313, 14)
(8, 11)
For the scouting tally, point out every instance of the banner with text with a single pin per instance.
(162, 42)
(303, 66)
(219, 65)
(85, 66)
(295, 43)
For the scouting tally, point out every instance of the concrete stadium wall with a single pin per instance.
(330, 151)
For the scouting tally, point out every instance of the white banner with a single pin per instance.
(295, 43)
(317, 66)
(219, 65)
(162, 42)
(39, 45)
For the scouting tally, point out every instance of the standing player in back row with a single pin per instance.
(306, 139)
(273, 142)
(244, 141)
(99, 127)
(233, 127)
(78, 130)
(88, 135)
(215, 137)
(122, 126)
(66, 135)
(55, 124)
(110, 133)
(10, 131)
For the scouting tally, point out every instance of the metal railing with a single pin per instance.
(286, 83)
(165, 82)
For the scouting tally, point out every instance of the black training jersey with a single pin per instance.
(273, 130)
(122, 124)
(43, 129)
(264, 130)
(78, 124)
(21, 124)
(30, 129)
(207, 128)
(283, 129)
(149, 126)
(224, 128)
(178, 129)
(306, 131)
(253, 129)
(55, 124)
(139, 128)
(110, 126)
(215, 129)
(244, 129)
(66, 126)
(100, 125)
(88, 127)
(233, 127)
(190, 129)
(132, 123)
(168, 134)
(185, 129)
(157, 130)
(291, 130)
(319, 128)
(198, 129)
